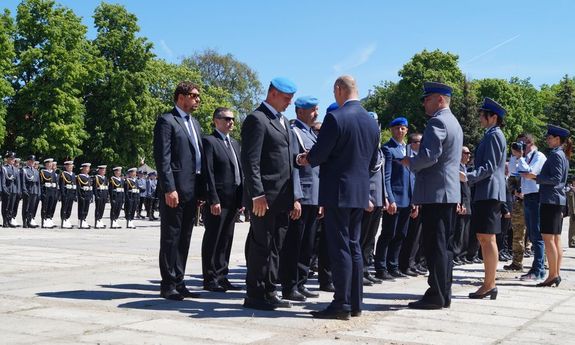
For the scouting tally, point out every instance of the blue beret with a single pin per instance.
(373, 114)
(306, 102)
(557, 131)
(399, 121)
(332, 107)
(430, 87)
(492, 106)
(284, 85)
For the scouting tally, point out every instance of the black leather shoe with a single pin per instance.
(421, 304)
(383, 275)
(457, 262)
(397, 274)
(410, 272)
(187, 293)
(477, 260)
(355, 313)
(214, 288)
(171, 295)
(307, 293)
(419, 270)
(278, 302)
(327, 288)
(293, 295)
(465, 261)
(331, 314)
(367, 282)
(371, 278)
(257, 303)
(225, 283)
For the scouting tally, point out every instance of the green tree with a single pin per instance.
(466, 111)
(51, 65)
(561, 109)
(380, 100)
(226, 72)
(6, 68)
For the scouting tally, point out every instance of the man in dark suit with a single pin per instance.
(396, 219)
(268, 162)
(346, 150)
(437, 190)
(224, 199)
(178, 157)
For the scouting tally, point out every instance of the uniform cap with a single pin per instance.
(48, 160)
(69, 163)
(430, 87)
(117, 168)
(102, 166)
(132, 169)
(10, 154)
(494, 107)
(31, 158)
(557, 131)
(84, 165)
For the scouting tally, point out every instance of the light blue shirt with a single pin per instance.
(532, 162)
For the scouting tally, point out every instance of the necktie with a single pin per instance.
(235, 160)
(193, 135)
(279, 116)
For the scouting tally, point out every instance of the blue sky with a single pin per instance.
(312, 42)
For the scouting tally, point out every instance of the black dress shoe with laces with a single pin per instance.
(187, 293)
(172, 295)
(214, 288)
(421, 304)
(410, 272)
(383, 275)
(371, 278)
(278, 302)
(329, 313)
(327, 288)
(307, 293)
(225, 283)
(397, 274)
(258, 303)
(293, 295)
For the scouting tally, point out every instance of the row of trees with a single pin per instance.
(529, 109)
(66, 96)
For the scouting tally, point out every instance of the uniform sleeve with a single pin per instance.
(431, 145)
(494, 150)
(552, 173)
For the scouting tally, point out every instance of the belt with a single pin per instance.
(50, 185)
(119, 190)
(134, 191)
(87, 188)
(70, 186)
(103, 188)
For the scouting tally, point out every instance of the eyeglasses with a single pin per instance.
(193, 95)
(227, 119)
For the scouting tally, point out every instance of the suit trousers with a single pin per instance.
(50, 198)
(217, 244)
(461, 235)
(263, 247)
(297, 249)
(8, 200)
(29, 205)
(323, 263)
(130, 205)
(393, 232)
(175, 233)
(369, 227)
(438, 221)
(116, 202)
(408, 253)
(17, 199)
(66, 205)
(343, 232)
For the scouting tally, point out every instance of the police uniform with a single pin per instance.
(67, 195)
(30, 193)
(9, 190)
(100, 196)
(85, 193)
(49, 184)
(152, 198)
(141, 182)
(116, 188)
(132, 199)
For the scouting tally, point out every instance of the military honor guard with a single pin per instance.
(49, 182)
(18, 192)
(100, 195)
(132, 198)
(67, 193)
(30, 192)
(85, 193)
(9, 190)
(116, 188)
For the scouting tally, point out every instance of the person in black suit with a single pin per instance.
(224, 199)
(268, 160)
(346, 150)
(178, 157)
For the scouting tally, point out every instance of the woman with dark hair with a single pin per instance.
(488, 178)
(552, 180)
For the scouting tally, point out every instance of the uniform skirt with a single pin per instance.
(550, 219)
(486, 217)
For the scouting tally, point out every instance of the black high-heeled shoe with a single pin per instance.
(555, 281)
(491, 293)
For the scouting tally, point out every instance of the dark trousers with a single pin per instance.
(389, 243)
(438, 221)
(176, 231)
(100, 204)
(49, 202)
(324, 266)
(116, 202)
(130, 205)
(263, 248)
(343, 232)
(461, 236)
(297, 249)
(217, 244)
(410, 248)
(8, 200)
(66, 205)
(141, 204)
(83, 205)
(369, 227)
(29, 206)
(17, 198)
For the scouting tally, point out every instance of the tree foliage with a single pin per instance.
(561, 109)
(6, 68)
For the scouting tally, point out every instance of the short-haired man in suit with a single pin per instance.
(224, 199)
(268, 160)
(437, 190)
(346, 150)
(299, 242)
(178, 157)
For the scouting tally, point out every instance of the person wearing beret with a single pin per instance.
(9, 190)
(68, 193)
(488, 178)
(85, 194)
(396, 218)
(437, 191)
(116, 189)
(552, 180)
(30, 193)
(268, 160)
(298, 246)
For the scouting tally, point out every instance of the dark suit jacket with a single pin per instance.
(397, 177)
(268, 159)
(346, 150)
(220, 178)
(174, 155)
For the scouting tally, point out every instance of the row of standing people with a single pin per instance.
(49, 186)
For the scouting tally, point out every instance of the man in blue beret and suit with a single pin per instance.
(437, 190)
(268, 160)
(346, 150)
